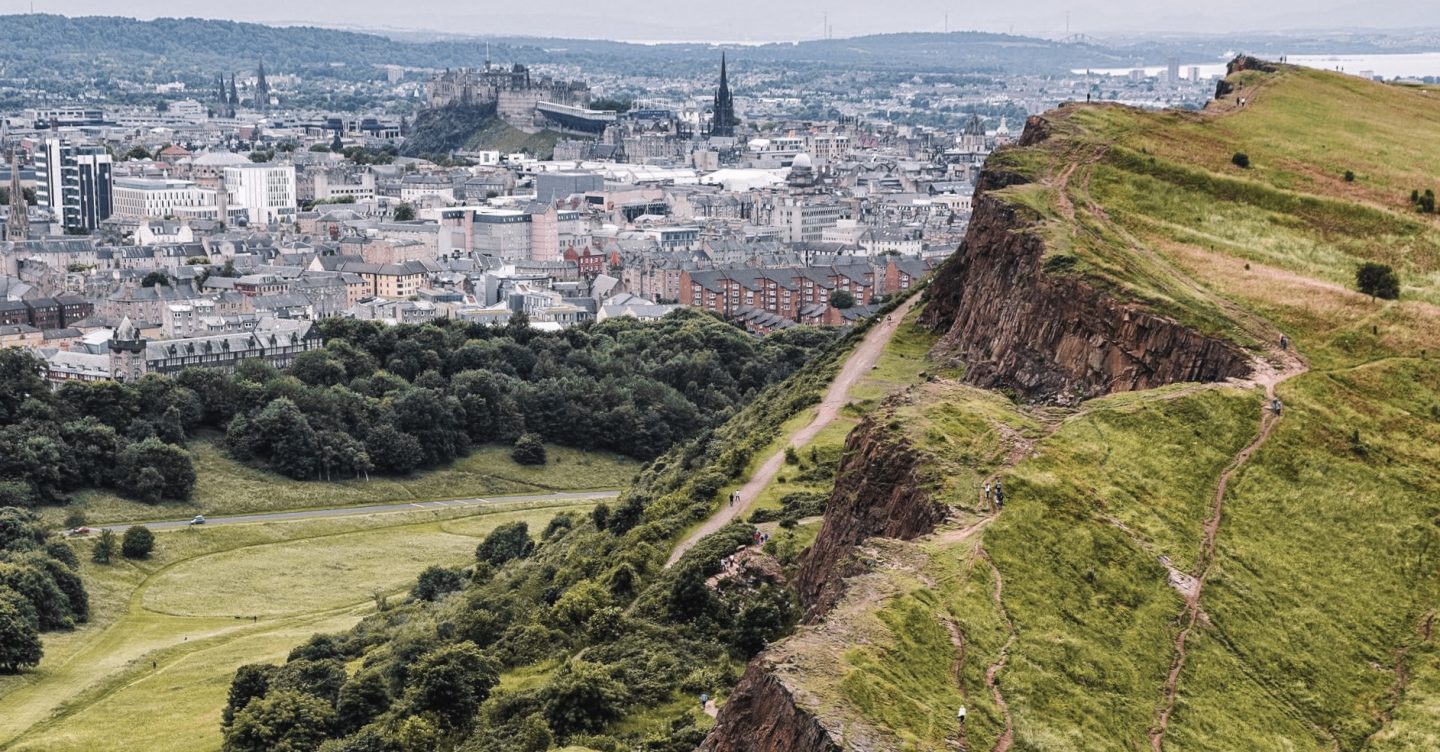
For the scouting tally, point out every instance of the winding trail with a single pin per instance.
(1269, 377)
(1007, 737)
(856, 366)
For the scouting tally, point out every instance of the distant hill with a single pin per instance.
(198, 49)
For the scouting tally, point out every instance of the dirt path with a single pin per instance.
(859, 363)
(1007, 737)
(1268, 376)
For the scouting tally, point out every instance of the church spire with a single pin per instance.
(724, 120)
(262, 87)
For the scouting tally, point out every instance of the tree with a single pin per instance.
(336, 144)
(394, 451)
(435, 582)
(362, 698)
(842, 299)
(21, 377)
(281, 721)
(19, 633)
(251, 681)
(581, 698)
(152, 470)
(528, 450)
(506, 542)
(1241, 160)
(404, 213)
(1377, 281)
(137, 543)
(138, 152)
(155, 278)
(451, 682)
(104, 547)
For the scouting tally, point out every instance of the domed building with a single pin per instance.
(802, 172)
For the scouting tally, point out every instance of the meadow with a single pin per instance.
(227, 487)
(152, 668)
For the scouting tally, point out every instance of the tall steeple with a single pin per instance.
(724, 121)
(262, 87)
(18, 226)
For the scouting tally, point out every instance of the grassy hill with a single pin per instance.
(1064, 617)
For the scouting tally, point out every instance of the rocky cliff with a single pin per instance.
(1050, 336)
(879, 491)
(762, 715)
(1053, 337)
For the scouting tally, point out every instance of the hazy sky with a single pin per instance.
(773, 20)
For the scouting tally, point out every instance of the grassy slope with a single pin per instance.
(185, 610)
(225, 486)
(1325, 573)
(505, 138)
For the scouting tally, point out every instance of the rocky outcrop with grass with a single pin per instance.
(763, 715)
(879, 491)
(1018, 320)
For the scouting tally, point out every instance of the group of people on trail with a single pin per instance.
(734, 497)
(759, 538)
(994, 496)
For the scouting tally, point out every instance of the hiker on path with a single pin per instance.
(999, 497)
(1284, 342)
(987, 494)
(1275, 406)
(961, 715)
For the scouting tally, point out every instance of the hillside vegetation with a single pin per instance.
(1124, 598)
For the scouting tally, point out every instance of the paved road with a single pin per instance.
(303, 514)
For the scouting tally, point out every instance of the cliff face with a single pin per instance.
(763, 716)
(1053, 337)
(879, 491)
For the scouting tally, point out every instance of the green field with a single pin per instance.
(225, 486)
(151, 669)
(1316, 617)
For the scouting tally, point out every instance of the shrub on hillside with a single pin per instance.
(528, 450)
(1241, 160)
(1377, 281)
(509, 541)
(137, 543)
(104, 548)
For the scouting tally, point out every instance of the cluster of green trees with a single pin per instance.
(40, 588)
(100, 434)
(389, 400)
(602, 629)
(394, 399)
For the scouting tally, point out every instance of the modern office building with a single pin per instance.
(266, 191)
(75, 182)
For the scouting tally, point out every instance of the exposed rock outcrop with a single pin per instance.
(762, 715)
(1054, 337)
(879, 491)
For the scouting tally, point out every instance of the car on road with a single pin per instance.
(82, 530)
(199, 519)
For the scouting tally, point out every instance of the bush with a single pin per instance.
(1377, 281)
(1349, 176)
(506, 542)
(528, 450)
(19, 633)
(1241, 160)
(842, 299)
(104, 548)
(435, 582)
(137, 543)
